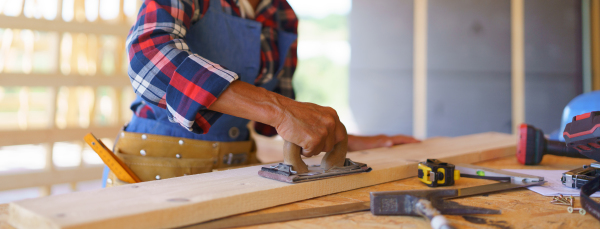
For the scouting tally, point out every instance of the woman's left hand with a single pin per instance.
(356, 143)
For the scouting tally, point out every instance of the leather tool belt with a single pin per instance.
(154, 157)
(588, 203)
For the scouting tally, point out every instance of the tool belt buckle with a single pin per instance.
(235, 158)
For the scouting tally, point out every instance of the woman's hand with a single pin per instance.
(356, 143)
(314, 128)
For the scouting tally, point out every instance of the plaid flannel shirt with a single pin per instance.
(164, 72)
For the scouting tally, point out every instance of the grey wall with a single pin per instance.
(552, 60)
(469, 64)
(468, 67)
(381, 39)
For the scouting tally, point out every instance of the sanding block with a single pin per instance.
(294, 170)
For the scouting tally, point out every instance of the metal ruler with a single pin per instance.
(115, 164)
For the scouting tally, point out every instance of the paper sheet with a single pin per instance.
(553, 185)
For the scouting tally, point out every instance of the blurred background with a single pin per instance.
(63, 74)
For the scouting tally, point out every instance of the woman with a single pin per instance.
(202, 69)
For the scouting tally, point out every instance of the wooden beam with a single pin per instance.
(595, 40)
(587, 46)
(60, 26)
(420, 70)
(46, 190)
(518, 63)
(50, 177)
(52, 80)
(20, 137)
(197, 198)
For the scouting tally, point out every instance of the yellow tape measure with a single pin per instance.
(111, 160)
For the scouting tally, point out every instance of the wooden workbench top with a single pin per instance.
(520, 208)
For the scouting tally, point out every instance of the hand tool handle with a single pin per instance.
(291, 156)
(560, 149)
(437, 220)
(337, 156)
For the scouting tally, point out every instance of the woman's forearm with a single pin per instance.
(247, 101)
(314, 128)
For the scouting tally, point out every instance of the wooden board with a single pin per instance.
(21, 137)
(420, 70)
(517, 34)
(198, 198)
(595, 40)
(520, 208)
(48, 178)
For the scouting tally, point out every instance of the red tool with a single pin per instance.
(583, 134)
(532, 146)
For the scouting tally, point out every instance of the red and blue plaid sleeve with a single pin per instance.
(288, 22)
(165, 73)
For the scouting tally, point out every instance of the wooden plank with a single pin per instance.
(51, 80)
(587, 46)
(191, 199)
(45, 190)
(20, 137)
(595, 40)
(60, 26)
(420, 70)
(518, 63)
(50, 177)
(520, 208)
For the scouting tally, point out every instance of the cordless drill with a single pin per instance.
(533, 145)
(583, 135)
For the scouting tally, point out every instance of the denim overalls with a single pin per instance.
(232, 42)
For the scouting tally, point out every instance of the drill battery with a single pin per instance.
(583, 134)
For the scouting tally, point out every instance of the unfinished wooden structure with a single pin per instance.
(82, 75)
(191, 199)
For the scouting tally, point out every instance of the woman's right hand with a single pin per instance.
(314, 128)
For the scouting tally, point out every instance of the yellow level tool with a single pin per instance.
(111, 160)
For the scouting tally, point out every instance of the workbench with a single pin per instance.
(520, 208)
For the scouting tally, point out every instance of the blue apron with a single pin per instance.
(232, 42)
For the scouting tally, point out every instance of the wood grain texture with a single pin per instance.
(521, 208)
(198, 198)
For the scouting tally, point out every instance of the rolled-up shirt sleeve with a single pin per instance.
(164, 72)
